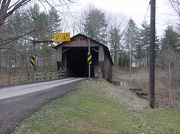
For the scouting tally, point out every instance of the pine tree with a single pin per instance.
(131, 38)
(95, 25)
(44, 28)
(171, 39)
(54, 21)
(114, 40)
(145, 42)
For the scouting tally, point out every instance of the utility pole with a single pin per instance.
(152, 55)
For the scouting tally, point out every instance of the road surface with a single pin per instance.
(19, 102)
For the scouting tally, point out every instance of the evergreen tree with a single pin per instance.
(14, 28)
(39, 21)
(45, 25)
(170, 45)
(54, 21)
(131, 37)
(114, 40)
(131, 34)
(124, 59)
(95, 25)
(171, 39)
(144, 42)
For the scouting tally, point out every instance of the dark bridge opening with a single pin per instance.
(75, 60)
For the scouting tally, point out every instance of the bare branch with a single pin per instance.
(14, 51)
(43, 5)
(23, 2)
(5, 7)
(4, 42)
(53, 7)
(13, 4)
(176, 6)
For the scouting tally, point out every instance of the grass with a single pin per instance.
(90, 110)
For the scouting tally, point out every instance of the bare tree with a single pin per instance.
(168, 59)
(15, 40)
(7, 8)
(176, 6)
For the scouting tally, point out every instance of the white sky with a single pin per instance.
(136, 9)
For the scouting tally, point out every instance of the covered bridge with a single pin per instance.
(72, 58)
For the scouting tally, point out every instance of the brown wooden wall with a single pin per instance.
(104, 59)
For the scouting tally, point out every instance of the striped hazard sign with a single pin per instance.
(32, 61)
(89, 58)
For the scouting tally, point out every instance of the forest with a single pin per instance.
(21, 23)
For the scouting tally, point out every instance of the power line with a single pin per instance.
(147, 11)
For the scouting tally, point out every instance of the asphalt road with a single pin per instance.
(19, 102)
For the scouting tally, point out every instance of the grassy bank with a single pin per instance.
(96, 108)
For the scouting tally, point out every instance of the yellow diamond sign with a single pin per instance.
(61, 37)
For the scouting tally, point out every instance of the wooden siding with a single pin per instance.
(104, 59)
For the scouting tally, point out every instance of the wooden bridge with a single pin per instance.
(72, 57)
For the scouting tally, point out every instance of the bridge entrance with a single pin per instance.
(74, 59)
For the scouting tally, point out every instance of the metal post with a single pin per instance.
(9, 77)
(152, 54)
(33, 54)
(89, 68)
(65, 62)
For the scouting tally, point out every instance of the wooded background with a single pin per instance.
(21, 23)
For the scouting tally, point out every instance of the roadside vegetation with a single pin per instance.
(166, 91)
(101, 108)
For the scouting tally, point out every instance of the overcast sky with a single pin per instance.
(136, 9)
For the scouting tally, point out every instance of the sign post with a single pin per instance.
(89, 59)
(32, 65)
(33, 61)
(57, 37)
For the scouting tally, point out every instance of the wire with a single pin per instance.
(147, 11)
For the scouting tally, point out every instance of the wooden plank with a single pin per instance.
(101, 54)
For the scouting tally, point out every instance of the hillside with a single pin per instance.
(101, 108)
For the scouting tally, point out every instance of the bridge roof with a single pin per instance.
(106, 49)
